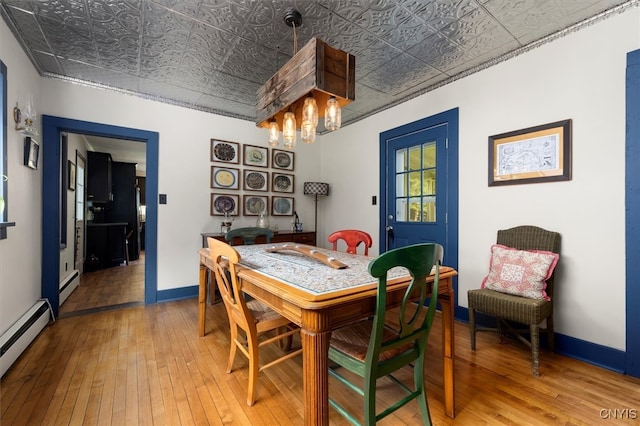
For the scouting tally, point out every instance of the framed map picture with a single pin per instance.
(536, 154)
(225, 151)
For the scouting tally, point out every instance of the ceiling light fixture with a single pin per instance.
(317, 75)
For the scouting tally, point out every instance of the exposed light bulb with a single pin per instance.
(274, 133)
(310, 111)
(290, 144)
(333, 115)
(289, 130)
(308, 132)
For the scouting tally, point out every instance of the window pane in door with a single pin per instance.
(415, 189)
(415, 208)
(429, 182)
(429, 155)
(401, 185)
(401, 209)
(429, 209)
(401, 160)
(415, 157)
(416, 179)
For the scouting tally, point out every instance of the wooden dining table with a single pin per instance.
(319, 299)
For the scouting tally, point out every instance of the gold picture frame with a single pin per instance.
(536, 154)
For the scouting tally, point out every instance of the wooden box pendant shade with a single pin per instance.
(317, 69)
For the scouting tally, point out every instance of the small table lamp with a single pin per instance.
(315, 189)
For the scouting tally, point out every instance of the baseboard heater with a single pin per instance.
(16, 339)
(68, 284)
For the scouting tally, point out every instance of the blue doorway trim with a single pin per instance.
(451, 119)
(632, 209)
(52, 127)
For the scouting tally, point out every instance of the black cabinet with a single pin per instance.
(105, 245)
(99, 177)
(308, 238)
(124, 206)
(142, 184)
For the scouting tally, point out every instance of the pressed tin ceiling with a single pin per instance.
(213, 55)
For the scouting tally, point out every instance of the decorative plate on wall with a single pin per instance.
(225, 178)
(221, 203)
(282, 159)
(225, 151)
(281, 206)
(256, 180)
(256, 156)
(282, 182)
(254, 204)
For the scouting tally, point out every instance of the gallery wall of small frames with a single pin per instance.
(247, 179)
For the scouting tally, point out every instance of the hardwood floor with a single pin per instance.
(113, 287)
(147, 365)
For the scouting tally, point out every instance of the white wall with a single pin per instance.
(20, 253)
(581, 77)
(74, 142)
(184, 166)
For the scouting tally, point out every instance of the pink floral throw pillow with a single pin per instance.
(520, 272)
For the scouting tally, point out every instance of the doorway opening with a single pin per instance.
(103, 239)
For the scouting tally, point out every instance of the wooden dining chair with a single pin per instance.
(373, 349)
(248, 234)
(260, 324)
(353, 238)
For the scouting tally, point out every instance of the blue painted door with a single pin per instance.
(419, 184)
(416, 182)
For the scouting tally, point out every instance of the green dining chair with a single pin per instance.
(248, 234)
(373, 349)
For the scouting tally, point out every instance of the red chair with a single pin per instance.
(353, 238)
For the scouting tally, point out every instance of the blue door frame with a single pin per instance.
(632, 208)
(52, 127)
